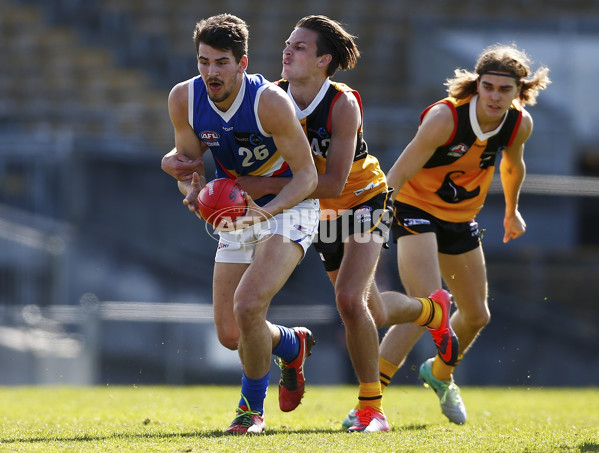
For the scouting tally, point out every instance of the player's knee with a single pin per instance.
(227, 334)
(229, 341)
(479, 319)
(350, 304)
(248, 310)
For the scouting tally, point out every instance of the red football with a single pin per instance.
(221, 199)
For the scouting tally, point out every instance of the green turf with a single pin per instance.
(191, 419)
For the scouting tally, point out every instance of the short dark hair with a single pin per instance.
(225, 32)
(332, 39)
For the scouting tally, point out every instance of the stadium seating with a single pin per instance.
(112, 62)
(50, 79)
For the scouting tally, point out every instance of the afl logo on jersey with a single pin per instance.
(457, 150)
(209, 136)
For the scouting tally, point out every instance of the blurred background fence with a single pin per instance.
(106, 278)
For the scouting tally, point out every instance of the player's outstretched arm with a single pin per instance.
(512, 170)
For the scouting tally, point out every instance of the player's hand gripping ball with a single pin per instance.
(221, 200)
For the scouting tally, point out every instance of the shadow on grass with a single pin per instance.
(411, 427)
(205, 434)
(588, 446)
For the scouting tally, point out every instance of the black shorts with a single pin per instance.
(452, 238)
(372, 216)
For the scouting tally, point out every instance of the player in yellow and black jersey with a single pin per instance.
(453, 184)
(366, 179)
(441, 180)
(354, 200)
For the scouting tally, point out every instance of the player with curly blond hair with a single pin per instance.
(441, 180)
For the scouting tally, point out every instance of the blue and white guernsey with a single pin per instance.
(238, 143)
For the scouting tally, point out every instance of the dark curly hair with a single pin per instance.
(225, 32)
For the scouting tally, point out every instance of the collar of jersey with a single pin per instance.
(226, 116)
(301, 114)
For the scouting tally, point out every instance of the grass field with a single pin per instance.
(191, 419)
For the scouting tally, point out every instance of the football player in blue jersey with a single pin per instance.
(250, 128)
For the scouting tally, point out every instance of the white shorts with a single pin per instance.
(298, 224)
